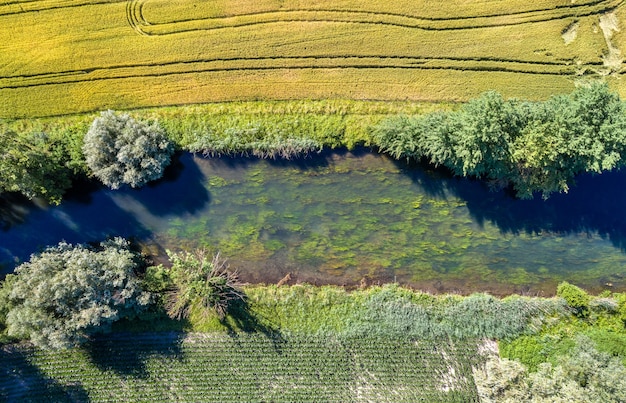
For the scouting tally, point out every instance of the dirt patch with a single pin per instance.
(570, 32)
(613, 59)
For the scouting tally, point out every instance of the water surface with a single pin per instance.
(350, 219)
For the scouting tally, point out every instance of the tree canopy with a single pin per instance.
(33, 164)
(534, 146)
(68, 292)
(120, 150)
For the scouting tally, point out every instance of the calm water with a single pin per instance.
(350, 219)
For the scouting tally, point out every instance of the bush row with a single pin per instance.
(533, 146)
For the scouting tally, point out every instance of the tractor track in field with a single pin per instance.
(134, 16)
(136, 19)
(286, 63)
(31, 6)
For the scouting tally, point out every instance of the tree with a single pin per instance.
(576, 298)
(68, 292)
(487, 127)
(201, 282)
(5, 304)
(120, 150)
(33, 165)
(569, 134)
(536, 147)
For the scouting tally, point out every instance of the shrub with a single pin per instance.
(200, 282)
(576, 298)
(120, 150)
(256, 140)
(584, 375)
(68, 292)
(390, 311)
(34, 165)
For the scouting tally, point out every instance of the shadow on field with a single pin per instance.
(127, 353)
(21, 381)
(594, 205)
(241, 319)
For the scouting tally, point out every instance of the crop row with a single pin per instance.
(252, 367)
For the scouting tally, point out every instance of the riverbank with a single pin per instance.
(388, 342)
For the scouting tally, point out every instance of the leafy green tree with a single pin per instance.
(487, 127)
(5, 304)
(570, 134)
(68, 292)
(120, 150)
(576, 298)
(536, 147)
(201, 282)
(33, 164)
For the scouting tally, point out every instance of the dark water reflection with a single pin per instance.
(592, 206)
(349, 218)
(91, 213)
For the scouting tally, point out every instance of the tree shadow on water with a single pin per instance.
(14, 209)
(180, 191)
(22, 381)
(594, 205)
(72, 222)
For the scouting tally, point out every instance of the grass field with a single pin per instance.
(68, 56)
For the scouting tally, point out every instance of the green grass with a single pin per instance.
(332, 123)
(604, 325)
(387, 311)
(183, 52)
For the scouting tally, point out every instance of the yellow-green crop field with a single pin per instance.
(68, 56)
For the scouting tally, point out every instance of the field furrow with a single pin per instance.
(260, 63)
(142, 25)
(30, 6)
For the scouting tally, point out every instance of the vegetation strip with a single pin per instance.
(382, 343)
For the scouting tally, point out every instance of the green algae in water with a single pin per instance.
(345, 218)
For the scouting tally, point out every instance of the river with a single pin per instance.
(349, 218)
